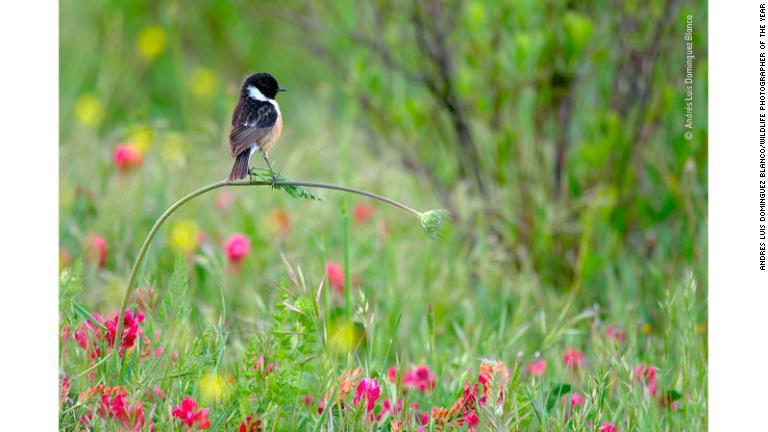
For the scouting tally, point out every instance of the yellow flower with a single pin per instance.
(142, 136)
(151, 42)
(213, 387)
(646, 328)
(203, 82)
(89, 110)
(173, 150)
(183, 236)
(344, 337)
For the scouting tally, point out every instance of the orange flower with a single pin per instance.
(282, 220)
(346, 384)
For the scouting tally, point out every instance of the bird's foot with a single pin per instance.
(275, 178)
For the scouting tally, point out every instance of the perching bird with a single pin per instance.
(256, 122)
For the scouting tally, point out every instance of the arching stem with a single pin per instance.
(166, 214)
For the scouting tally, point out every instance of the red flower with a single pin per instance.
(115, 405)
(320, 406)
(96, 249)
(188, 413)
(363, 212)
(335, 275)
(607, 427)
(388, 409)
(237, 247)
(369, 390)
(250, 424)
(420, 377)
(127, 157)
(472, 420)
(91, 337)
(259, 366)
(647, 375)
(573, 359)
(131, 329)
(424, 418)
(392, 374)
(64, 387)
(613, 333)
(538, 368)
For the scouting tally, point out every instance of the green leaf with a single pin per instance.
(556, 392)
(299, 192)
(673, 395)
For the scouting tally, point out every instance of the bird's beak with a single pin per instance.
(281, 90)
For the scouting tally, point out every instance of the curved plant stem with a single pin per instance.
(163, 217)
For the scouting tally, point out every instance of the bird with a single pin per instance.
(256, 123)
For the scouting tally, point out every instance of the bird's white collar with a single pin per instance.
(255, 93)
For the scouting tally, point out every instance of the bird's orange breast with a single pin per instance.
(274, 134)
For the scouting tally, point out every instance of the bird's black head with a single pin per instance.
(261, 85)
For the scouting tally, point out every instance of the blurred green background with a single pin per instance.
(551, 130)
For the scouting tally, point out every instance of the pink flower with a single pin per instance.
(81, 339)
(64, 386)
(223, 200)
(420, 377)
(363, 212)
(158, 392)
(537, 368)
(188, 413)
(573, 359)
(127, 157)
(424, 418)
(117, 407)
(259, 366)
(472, 420)
(392, 374)
(237, 247)
(647, 375)
(576, 399)
(613, 333)
(131, 329)
(369, 390)
(96, 249)
(90, 336)
(335, 275)
(607, 427)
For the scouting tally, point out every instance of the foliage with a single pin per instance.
(550, 131)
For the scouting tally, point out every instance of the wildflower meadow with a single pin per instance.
(486, 217)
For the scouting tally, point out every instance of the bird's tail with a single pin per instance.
(240, 169)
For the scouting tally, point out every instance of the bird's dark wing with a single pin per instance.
(251, 122)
